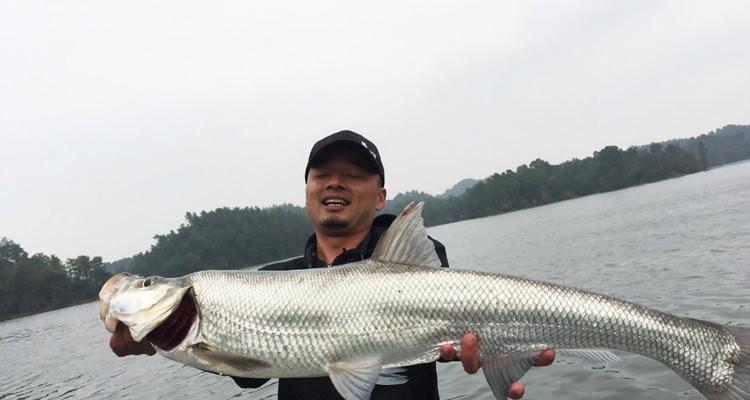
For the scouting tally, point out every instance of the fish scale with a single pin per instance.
(357, 322)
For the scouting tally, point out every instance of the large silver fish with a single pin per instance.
(360, 322)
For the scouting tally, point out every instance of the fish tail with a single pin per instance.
(739, 387)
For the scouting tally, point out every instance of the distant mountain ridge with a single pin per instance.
(459, 188)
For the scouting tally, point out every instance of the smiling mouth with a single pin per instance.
(333, 202)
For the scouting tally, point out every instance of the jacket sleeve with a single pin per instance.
(440, 250)
(249, 383)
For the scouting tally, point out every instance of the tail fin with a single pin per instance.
(739, 389)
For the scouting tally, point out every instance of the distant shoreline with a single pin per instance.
(29, 314)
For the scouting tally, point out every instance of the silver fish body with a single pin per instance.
(298, 321)
(377, 315)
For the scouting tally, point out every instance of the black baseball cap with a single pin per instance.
(350, 140)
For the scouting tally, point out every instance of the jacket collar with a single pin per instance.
(363, 250)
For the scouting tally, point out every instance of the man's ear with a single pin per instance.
(381, 199)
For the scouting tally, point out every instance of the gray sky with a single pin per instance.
(118, 117)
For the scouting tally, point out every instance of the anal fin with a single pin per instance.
(355, 379)
(501, 371)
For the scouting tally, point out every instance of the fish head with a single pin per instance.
(143, 303)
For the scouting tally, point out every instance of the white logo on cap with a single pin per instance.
(371, 152)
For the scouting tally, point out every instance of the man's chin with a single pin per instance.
(334, 224)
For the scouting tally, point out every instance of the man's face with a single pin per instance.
(342, 196)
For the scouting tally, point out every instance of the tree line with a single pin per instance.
(36, 283)
(722, 146)
(611, 168)
(540, 182)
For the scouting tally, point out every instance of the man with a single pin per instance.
(344, 188)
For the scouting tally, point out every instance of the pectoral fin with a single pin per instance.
(354, 380)
(503, 370)
(227, 362)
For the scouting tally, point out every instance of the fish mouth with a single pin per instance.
(166, 322)
(173, 331)
(111, 288)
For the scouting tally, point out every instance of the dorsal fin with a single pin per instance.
(406, 241)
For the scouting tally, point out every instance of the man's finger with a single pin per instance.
(516, 389)
(469, 357)
(448, 352)
(545, 358)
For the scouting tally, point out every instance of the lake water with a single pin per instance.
(681, 245)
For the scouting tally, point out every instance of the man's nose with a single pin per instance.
(335, 181)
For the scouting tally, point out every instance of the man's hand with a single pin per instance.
(468, 357)
(123, 344)
(470, 360)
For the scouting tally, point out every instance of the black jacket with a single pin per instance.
(422, 383)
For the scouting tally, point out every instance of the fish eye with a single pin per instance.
(147, 282)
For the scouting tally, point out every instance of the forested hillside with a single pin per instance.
(227, 238)
(540, 182)
(722, 146)
(31, 284)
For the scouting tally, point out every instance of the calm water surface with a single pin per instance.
(681, 246)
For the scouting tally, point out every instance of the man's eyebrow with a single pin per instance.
(363, 165)
(356, 161)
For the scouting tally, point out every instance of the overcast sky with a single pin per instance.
(118, 117)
